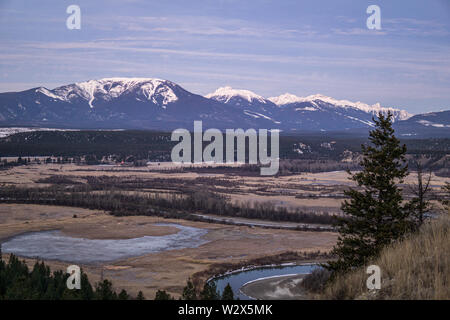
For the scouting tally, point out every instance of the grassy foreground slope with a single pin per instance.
(417, 267)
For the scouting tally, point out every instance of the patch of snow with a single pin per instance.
(306, 109)
(5, 132)
(327, 145)
(89, 88)
(369, 123)
(301, 148)
(157, 87)
(48, 93)
(433, 124)
(257, 115)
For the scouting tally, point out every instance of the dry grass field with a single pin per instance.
(169, 270)
(308, 192)
(416, 268)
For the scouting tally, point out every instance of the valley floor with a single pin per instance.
(167, 270)
(319, 193)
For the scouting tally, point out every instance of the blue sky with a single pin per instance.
(269, 47)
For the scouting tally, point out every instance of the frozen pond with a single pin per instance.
(54, 245)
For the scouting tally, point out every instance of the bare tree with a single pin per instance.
(445, 201)
(420, 204)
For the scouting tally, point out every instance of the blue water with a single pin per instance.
(53, 245)
(238, 279)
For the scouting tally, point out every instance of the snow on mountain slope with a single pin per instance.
(432, 124)
(288, 98)
(437, 125)
(308, 113)
(150, 103)
(109, 88)
(440, 119)
(50, 94)
(252, 105)
(225, 94)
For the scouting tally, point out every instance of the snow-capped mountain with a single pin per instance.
(237, 96)
(251, 104)
(315, 112)
(317, 100)
(114, 103)
(148, 103)
(158, 91)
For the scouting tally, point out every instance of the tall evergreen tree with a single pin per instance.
(140, 296)
(374, 215)
(18, 282)
(104, 291)
(227, 293)
(163, 295)
(189, 291)
(210, 292)
(123, 295)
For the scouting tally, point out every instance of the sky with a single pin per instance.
(269, 47)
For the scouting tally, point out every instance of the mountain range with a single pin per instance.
(148, 103)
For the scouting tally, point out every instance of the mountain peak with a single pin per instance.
(224, 94)
(134, 80)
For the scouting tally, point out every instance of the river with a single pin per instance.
(238, 278)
